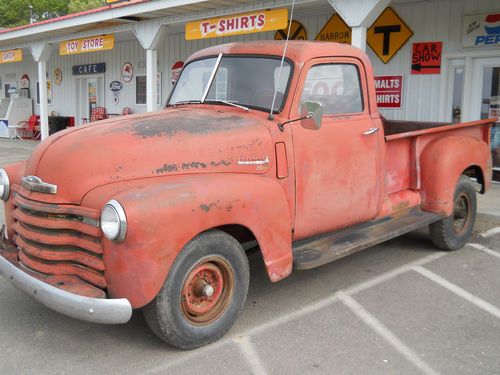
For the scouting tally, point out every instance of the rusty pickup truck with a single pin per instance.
(282, 152)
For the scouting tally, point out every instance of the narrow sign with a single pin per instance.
(388, 90)
(426, 58)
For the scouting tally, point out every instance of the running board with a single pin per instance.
(325, 248)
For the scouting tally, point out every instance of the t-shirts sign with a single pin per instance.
(426, 58)
(388, 90)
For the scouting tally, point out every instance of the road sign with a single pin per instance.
(388, 90)
(335, 30)
(388, 34)
(426, 58)
(297, 32)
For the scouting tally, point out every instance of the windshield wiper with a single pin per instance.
(184, 102)
(228, 103)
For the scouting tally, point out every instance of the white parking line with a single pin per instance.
(491, 232)
(248, 349)
(482, 304)
(372, 322)
(485, 249)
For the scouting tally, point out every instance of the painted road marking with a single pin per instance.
(491, 232)
(366, 317)
(482, 304)
(247, 347)
(485, 249)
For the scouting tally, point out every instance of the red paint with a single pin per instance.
(389, 91)
(426, 58)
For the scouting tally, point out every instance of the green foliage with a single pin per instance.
(16, 12)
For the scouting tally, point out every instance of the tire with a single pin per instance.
(204, 292)
(454, 232)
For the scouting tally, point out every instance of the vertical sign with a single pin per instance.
(426, 58)
(388, 90)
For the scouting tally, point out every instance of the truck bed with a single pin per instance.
(392, 127)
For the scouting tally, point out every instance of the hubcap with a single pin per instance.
(207, 291)
(461, 214)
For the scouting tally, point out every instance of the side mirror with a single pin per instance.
(312, 115)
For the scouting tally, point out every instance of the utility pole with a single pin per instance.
(31, 14)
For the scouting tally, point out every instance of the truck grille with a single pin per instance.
(59, 240)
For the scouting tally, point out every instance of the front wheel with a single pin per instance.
(204, 292)
(453, 232)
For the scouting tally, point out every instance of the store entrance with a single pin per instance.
(486, 82)
(91, 95)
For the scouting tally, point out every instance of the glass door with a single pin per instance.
(91, 95)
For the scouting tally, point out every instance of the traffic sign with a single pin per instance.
(388, 34)
(297, 32)
(335, 30)
(426, 58)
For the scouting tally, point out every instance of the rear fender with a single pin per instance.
(163, 217)
(443, 161)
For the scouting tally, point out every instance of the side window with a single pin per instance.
(336, 87)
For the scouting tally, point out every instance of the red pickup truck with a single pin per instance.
(155, 211)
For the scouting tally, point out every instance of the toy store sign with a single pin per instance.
(389, 90)
(481, 30)
(86, 45)
(239, 24)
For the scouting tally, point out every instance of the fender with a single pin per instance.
(163, 216)
(443, 161)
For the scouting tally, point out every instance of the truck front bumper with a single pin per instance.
(95, 310)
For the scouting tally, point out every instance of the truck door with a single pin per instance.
(338, 170)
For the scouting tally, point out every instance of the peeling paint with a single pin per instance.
(167, 168)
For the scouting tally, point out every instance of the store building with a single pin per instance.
(435, 60)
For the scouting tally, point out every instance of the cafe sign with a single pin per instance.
(246, 23)
(86, 45)
(14, 55)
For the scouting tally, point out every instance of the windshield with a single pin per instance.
(247, 81)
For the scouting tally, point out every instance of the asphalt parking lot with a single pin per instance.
(398, 308)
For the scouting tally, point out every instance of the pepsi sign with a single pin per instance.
(481, 30)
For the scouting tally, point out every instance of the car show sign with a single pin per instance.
(426, 58)
(481, 30)
(387, 35)
(297, 32)
(86, 45)
(238, 24)
(389, 90)
(13, 55)
(335, 30)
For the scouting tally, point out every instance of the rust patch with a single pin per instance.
(167, 168)
(193, 165)
(218, 163)
(207, 207)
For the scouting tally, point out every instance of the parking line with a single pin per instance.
(371, 321)
(485, 249)
(248, 349)
(482, 304)
(491, 232)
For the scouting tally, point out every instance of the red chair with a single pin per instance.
(31, 128)
(97, 114)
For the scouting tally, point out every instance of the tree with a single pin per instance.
(76, 6)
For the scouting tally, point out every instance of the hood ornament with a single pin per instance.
(35, 183)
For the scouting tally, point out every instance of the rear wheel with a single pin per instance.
(453, 232)
(203, 294)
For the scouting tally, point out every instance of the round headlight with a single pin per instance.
(114, 221)
(4, 185)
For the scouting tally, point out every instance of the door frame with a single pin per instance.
(81, 94)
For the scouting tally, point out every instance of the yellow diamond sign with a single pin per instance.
(335, 30)
(388, 34)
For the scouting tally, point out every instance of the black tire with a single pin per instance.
(186, 314)
(454, 232)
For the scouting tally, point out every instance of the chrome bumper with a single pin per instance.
(95, 310)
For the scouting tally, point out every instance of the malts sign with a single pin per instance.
(239, 24)
(85, 45)
(388, 90)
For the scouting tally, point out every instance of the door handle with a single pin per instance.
(371, 131)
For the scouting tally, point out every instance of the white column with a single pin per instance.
(151, 73)
(358, 37)
(44, 110)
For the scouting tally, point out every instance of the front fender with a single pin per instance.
(443, 161)
(164, 215)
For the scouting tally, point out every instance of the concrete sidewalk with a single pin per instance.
(488, 205)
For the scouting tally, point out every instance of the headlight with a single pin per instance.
(4, 185)
(114, 221)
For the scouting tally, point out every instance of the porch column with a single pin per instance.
(359, 15)
(41, 53)
(150, 35)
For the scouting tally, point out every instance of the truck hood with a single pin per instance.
(170, 142)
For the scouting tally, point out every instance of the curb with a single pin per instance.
(491, 218)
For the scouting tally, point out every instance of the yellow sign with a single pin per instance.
(388, 34)
(335, 30)
(297, 32)
(238, 24)
(85, 45)
(14, 55)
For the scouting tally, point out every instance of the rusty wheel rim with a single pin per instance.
(207, 291)
(461, 214)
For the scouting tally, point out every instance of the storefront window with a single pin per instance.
(490, 107)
